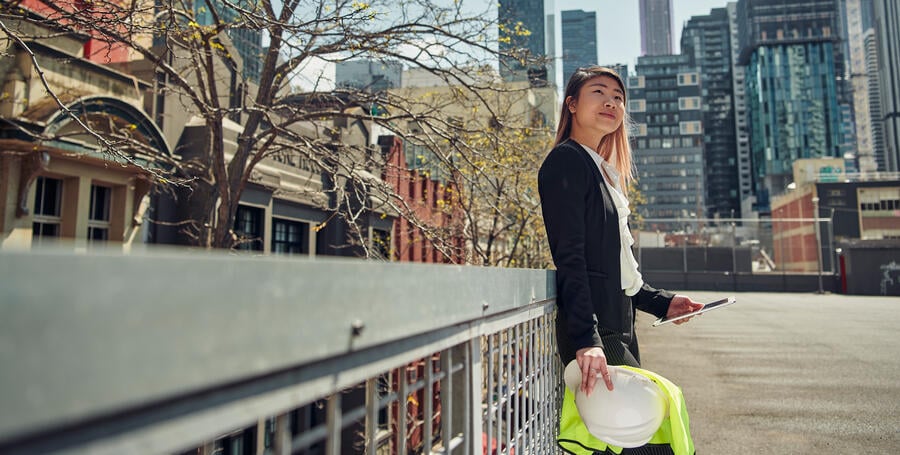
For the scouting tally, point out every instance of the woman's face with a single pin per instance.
(600, 106)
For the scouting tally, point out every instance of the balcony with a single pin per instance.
(174, 352)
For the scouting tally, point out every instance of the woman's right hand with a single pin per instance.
(592, 362)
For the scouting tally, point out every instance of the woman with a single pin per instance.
(582, 184)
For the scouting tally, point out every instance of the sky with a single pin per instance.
(618, 33)
(619, 29)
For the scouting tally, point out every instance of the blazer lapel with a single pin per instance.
(599, 180)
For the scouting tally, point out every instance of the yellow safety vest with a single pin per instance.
(675, 430)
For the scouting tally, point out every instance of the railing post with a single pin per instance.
(371, 416)
(402, 409)
(261, 436)
(334, 422)
(447, 401)
(282, 440)
(428, 421)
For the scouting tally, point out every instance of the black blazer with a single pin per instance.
(583, 230)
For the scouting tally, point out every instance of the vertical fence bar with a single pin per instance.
(371, 416)
(473, 386)
(447, 399)
(517, 386)
(507, 395)
(532, 384)
(489, 416)
(261, 436)
(500, 371)
(429, 405)
(333, 421)
(539, 382)
(281, 442)
(402, 409)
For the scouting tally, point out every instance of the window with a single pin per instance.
(690, 127)
(248, 227)
(289, 237)
(640, 129)
(637, 106)
(98, 219)
(687, 79)
(381, 244)
(47, 208)
(689, 103)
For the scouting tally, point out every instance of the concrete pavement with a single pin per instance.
(786, 373)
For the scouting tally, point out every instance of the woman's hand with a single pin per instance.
(592, 362)
(680, 305)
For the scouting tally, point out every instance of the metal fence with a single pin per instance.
(737, 245)
(170, 353)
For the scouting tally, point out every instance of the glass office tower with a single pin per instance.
(794, 62)
(706, 40)
(579, 40)
(522, 15)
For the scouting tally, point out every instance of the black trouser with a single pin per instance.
(649, 449)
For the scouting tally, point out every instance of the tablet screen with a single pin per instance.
(708, 307)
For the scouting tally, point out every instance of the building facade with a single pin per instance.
(579, 40)
(247, 40)
(706, 40)
(666, 106)
(430, 199)
(119, 14)
(369, 75)
(794, 80)
(656, 27)
(58, 183)
(887, 16)
(860, 34)
(857, 206)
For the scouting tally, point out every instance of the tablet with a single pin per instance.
(708, 307)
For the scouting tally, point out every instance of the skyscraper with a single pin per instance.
(666, 107)
(656, 27)
(859, 24)
(706, 41)
(522, 34)
(741, 130)
(887, 16)
(794, 62)
(579, 40)
(872, 98)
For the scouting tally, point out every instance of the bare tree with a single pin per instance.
(189, 48)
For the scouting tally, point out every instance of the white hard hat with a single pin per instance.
(627, 416)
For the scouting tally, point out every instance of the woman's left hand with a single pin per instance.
(682, 304)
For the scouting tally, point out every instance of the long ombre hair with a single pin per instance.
(613, 143)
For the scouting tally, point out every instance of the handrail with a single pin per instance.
(154, 350)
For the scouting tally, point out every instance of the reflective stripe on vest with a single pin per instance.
(675, 430)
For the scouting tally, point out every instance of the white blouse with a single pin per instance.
(631, 277)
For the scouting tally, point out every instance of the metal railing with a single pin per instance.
(167, 352)
(737, 245)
